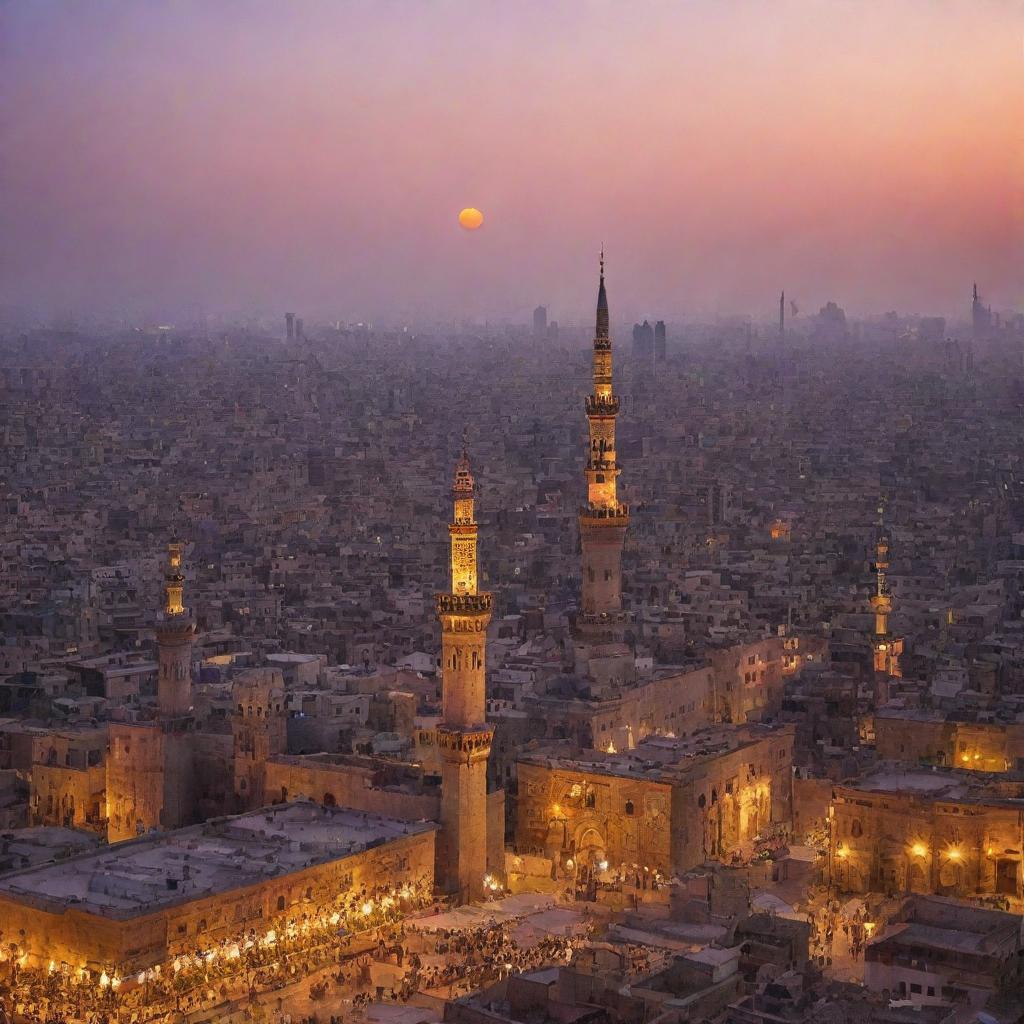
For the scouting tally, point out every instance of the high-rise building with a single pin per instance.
(603, 520)
(981, 316)
(659, 341)
(463, 737)
(643, 342)
(540, 321)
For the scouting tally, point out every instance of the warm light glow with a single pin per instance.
(920, 849)
(367, 908)
(471, 218)
(966, 758)
(842, 852)
(602, 865)
(954, 853)
(556, 809)
(869, 926)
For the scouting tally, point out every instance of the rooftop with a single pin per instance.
(140, 877)
(659, 758)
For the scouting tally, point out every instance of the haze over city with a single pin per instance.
(511, 513)
(170, 160)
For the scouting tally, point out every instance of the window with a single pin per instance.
(280, 903)
(915, 989)
(591, 800)
(629, 807)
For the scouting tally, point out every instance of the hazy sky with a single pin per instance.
(168, 155)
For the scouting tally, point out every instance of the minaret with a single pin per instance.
(463, 736)
(174, 642)
(886, 647)
(603, 520)
(782, 316)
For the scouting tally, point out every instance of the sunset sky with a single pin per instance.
(228, 155)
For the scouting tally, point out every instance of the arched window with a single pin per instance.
(629, 807)
(714, 797)
(856, 829)
(280, 903)
(329, 800)
(702, 801)
(591, 800)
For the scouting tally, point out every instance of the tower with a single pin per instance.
(603, 520)
(463, 736)
(259, 731)
(981, 316)
(887, 648)
(782, 316)
(174, 632)
(150, 773)
(540, 322)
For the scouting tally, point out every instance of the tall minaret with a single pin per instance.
(174, 631)
(463, 736)
(887, 648)
(782, 316)
(603, 520)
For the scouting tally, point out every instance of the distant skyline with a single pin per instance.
(160, 159)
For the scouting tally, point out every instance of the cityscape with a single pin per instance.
(492, 631)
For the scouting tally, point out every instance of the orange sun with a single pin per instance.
(471, 218)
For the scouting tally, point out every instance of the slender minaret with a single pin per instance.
(174, 631)
(887, 648)
(463, 736)
(603, 520)
(782, 316)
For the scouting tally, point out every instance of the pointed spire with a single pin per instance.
(602, 304)
(975, 291)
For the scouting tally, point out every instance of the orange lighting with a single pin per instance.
(842, 852)
(920, 850)
(471, 218)
(954, 853)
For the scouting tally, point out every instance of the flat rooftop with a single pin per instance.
(658, 758)
(146, 875)
(942, 784)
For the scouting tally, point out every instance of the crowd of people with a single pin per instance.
(249, 976)
(237, 969)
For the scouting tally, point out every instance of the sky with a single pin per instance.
(162, 159)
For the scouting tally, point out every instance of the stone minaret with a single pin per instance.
(887, 648)
(174, 631)
(603, 520)
(463, 736)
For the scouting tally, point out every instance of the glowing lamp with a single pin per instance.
(367, 908)
(954, 853)
(920, 849)
(602, 865)
(842, 852)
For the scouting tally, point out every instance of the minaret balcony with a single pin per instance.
(596, 406)
(463, 604)
(605, 515)
(603, 344)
